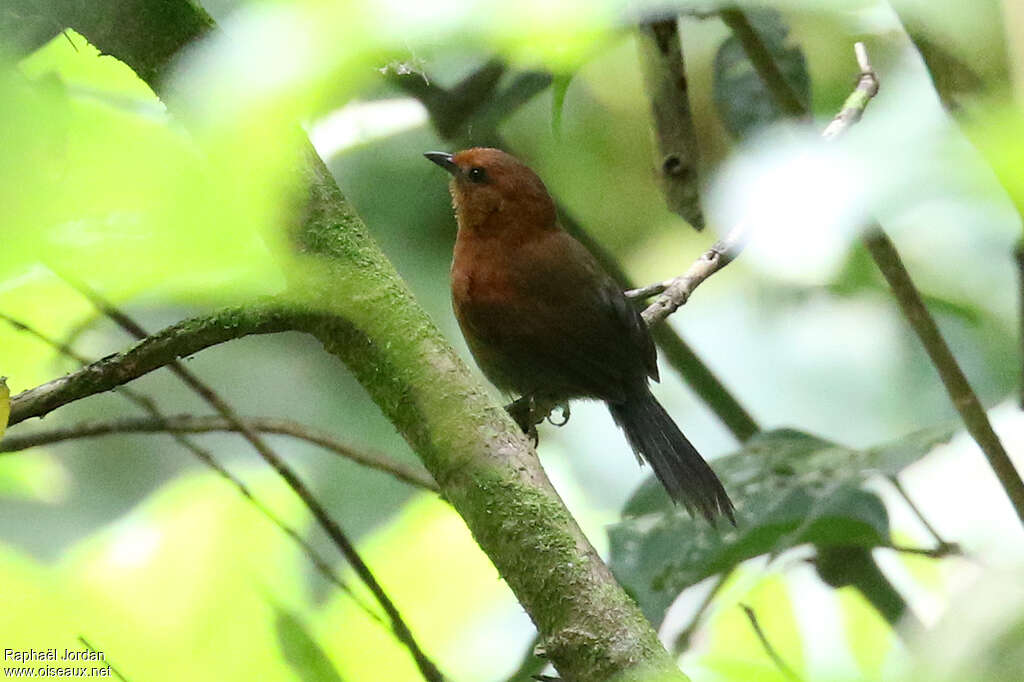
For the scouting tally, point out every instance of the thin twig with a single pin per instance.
(531, 664)
(674, 293)
(895, 481)
(764, 64)
(959, 389)
(1018, 256)
(178, 340)
(11, 443)
(682, 642)
(853, 107)
(329, 525)
(939, 552)
(61, 347)
(769, 649)
(888, 260)
(90, 647)
(205, 424)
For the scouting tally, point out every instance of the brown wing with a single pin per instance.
(561, 326)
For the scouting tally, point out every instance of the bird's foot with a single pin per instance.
(564, 407)
(528, 411)
(521, 411)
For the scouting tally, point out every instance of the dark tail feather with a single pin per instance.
(677, 464)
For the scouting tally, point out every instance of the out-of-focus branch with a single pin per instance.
(767, 645)
(179, 424)
(884, 253)
(340, 539)
(661, 60)
(674, 293)
(956, 79)
(102, 656)
(959, 389)
(177, 341)
(853, 107)
(764, 64)
(1018, 256)
(683, 639)
(149, 405)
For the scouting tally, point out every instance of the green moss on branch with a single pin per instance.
(354, 302)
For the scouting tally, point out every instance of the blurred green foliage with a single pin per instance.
(161, 566)
(744, 102)
(790, 489)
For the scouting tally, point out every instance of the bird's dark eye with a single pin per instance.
(477, 174)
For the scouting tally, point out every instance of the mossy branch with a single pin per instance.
(591, 629)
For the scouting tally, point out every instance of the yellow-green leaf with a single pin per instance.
(5, 405)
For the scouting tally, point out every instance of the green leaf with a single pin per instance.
(741, 97)
(5, 405)
(559, 86)
(790, 489)
(301, 650)
(96, 180)
(37, 476)
(892, 457)
(188, 565)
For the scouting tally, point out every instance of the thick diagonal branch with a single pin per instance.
(366, 316)
(291, 478)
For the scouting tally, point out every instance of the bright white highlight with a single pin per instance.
(361, 122)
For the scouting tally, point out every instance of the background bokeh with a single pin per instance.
(132, 544)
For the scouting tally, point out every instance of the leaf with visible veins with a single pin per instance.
(790, 488)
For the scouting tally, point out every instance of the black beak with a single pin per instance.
(444, 160)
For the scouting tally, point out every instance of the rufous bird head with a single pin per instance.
(492, 190)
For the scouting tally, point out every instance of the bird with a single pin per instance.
(545, 321)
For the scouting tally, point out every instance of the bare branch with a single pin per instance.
(764, 64)
(177, 341)
(959, 389)
(206, 424)
(683, 639)
(661, 59)
(853, 107)
(14, 443)
(1018, 256)
(327, 523)
(675, 292)
(769, 649)
(90, 647)
(887, 258)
